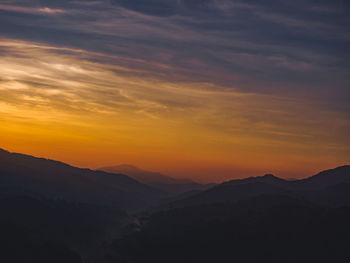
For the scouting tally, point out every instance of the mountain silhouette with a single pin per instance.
(54, 212)
(330, 187)
(24, 174)
(157, 180)
(269, 229)
(266, 179)
(45, 230)
(327, 178)
(256, 219)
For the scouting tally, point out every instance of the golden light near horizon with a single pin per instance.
(174, 130)
(55, 102)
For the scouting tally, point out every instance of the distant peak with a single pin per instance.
(269, 176)
(122, 167)
(127, 166)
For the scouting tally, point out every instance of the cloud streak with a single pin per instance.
(214, 78)
(43, 10)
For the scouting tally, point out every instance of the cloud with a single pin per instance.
(43, 10)
(230, 43)
(168, 7)
(254, 74)
(152, 7)
(65, 79)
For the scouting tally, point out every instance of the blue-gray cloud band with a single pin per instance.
(297, 48)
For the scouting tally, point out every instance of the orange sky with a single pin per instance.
(56, 104)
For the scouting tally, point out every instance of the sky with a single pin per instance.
(206, 89)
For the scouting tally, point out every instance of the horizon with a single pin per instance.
(234, 177)
(174, 131)
(205, 90)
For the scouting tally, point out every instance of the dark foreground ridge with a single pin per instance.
(53, 212)
(263, 229)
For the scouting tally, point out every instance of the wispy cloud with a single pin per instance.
(220, 77)
(43, 10)
(40, 76)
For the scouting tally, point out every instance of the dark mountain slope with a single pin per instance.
(327, 178)
(21, 173)
(263, 229)
(331, 187)
(267, 179)
(18, 244)
(238, 190)
(157, 180)
(143, 176)
(45, 230)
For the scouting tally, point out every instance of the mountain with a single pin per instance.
(24, 174)
(143, 176)
(46, 230)
(278, 220)
(267, 178)
(327, 178)
(157, 180)
(262, 229)
(330, 187)
(54, 212)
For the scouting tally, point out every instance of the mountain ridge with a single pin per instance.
(319, 188)
(56, 179)
(157, 180)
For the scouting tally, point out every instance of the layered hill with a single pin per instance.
(157, 180)
(330, 187)
(24, 174)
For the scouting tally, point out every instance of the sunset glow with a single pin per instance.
(123, 85)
